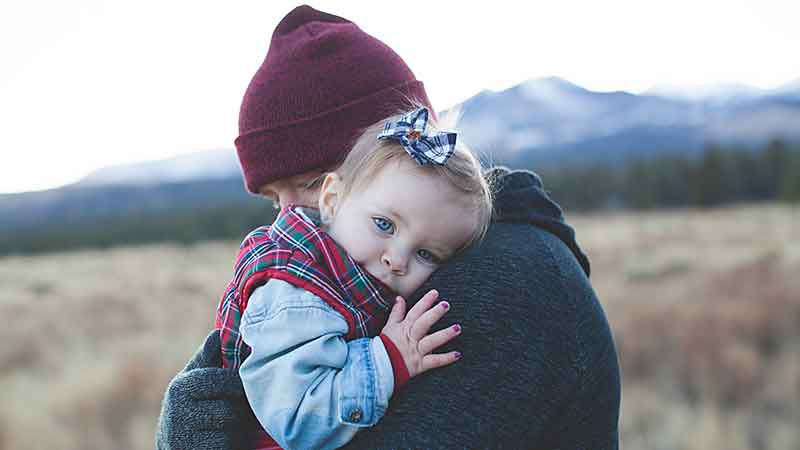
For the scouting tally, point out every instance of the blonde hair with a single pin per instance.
(462, 171)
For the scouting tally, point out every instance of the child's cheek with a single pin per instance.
(423, 273)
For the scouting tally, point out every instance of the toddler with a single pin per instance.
(305, 317)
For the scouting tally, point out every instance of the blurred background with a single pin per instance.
(669, 132)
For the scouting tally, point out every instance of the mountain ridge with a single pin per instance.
(554, 120)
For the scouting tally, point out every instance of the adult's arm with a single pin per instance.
(539, 367)
(590, 418)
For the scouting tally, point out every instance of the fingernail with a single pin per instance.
(457, 328)
(458, 355)
(445, 305)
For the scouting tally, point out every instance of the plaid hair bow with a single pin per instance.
(425, 148)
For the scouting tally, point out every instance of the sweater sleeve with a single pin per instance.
(307, 386)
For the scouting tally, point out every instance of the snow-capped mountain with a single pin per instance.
(706, 92)
(209, 164)
(552, 121)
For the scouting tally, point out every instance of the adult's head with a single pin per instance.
(323, 81)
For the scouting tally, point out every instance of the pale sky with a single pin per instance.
(94, 83)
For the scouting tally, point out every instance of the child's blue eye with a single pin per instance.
(427, 256)
(383, 225)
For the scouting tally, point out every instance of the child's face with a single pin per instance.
(400, 226)
(301, 189)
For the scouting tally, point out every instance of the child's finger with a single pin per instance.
(422, 305)
(436, 360)
(433, 341)
(421, 326)
(398, 311)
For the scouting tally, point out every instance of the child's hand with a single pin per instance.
(409, 333)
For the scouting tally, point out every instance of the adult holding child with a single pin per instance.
(539, 367)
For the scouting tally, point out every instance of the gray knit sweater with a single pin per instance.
(539, 370)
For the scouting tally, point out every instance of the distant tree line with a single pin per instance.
(181, 226)
(717, 177)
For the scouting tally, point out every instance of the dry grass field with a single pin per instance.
(704, 305)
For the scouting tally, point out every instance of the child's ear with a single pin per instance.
(330, 196)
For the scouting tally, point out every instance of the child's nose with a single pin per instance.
(395, 263)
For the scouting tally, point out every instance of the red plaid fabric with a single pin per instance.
(294, 249)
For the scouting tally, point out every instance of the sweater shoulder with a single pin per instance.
(526, 278)
(536, 277)
(537, 256)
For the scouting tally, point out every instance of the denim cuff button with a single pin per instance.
(355, 415)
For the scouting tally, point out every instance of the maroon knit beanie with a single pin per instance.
(323, 81)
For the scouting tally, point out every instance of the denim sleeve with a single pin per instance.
(307, 386)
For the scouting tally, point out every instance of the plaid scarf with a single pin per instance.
(294, 249)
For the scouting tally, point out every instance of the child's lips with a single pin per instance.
(386, 281)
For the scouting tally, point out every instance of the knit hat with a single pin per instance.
(323, 81)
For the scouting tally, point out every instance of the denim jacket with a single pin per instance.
(308, 387)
